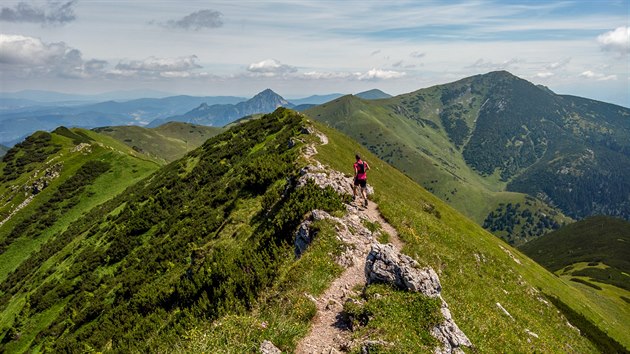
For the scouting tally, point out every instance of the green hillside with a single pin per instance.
(417, 145)
(165, 143)
(482, 141)
(593, 255)
(51, 179)
(475, 141)
(199, 256)
(596, 247)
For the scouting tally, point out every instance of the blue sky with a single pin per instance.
(299, 48)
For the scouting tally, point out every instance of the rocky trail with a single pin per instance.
(365, 261)
(329, 331)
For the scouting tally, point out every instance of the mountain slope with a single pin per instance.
(591, 254)
(203, 250)
(597, 240)
(476, 141)
(50, 179)
(165, 143)
(221, 114)
(373, 94)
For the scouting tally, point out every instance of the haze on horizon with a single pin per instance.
(299, 48)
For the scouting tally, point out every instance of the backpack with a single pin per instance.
(361, 167)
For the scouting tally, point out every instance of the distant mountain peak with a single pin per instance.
(373, 94)
(268, 98)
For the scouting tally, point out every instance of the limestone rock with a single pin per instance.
(266, 347)
(384, 264)
(324, 177)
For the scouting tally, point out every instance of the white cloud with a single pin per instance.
(51, 13)
(317, 75)
(24, 56)
(379, 74)
(153, 64)
(23, 50)
(597, 76)
(270, 67)
(372, 74)
(544, 75)
(617, 40)
(558, 64)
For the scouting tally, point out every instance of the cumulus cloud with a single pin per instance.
(52, 13)
(597, 76)
(379, 74)
(270, 67)
(25, 56)
(198, 20)
(180, 67)
(617, 40)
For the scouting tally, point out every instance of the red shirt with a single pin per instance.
(357, 167)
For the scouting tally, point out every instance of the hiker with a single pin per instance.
(360, 179)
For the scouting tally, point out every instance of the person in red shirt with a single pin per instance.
(360, 179)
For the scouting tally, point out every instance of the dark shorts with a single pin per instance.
(360, 182)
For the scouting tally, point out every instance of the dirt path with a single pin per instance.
(329, 332)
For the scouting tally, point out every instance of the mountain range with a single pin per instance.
(104, 249)
(221, 114)
(516, 157)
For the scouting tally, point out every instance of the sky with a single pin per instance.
(302, 47)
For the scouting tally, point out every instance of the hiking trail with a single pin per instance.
(329, 332)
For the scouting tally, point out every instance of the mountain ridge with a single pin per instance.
(480, 139)
(221, 114)
(203, 250)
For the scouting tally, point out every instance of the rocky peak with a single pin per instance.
(267, 100)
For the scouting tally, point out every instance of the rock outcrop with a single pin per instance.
(384, 264)
(266, 347)
(42, 182)
(350, 230)
(325, 177)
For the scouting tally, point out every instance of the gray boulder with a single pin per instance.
(266, 347)
(386, 265)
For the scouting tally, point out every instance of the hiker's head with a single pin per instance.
(358, 157)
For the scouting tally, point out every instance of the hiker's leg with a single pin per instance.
(364, 192)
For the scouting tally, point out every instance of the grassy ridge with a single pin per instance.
(165, 143)
(199, 256)
(475, 265)
(596, 239)
(416, 144)
(471, 141)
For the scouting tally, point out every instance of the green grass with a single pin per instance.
(472, 289)
(401, 318)
(283, 313)
(424, 154)
(165, 143)
(126, 171)
(601, 240)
